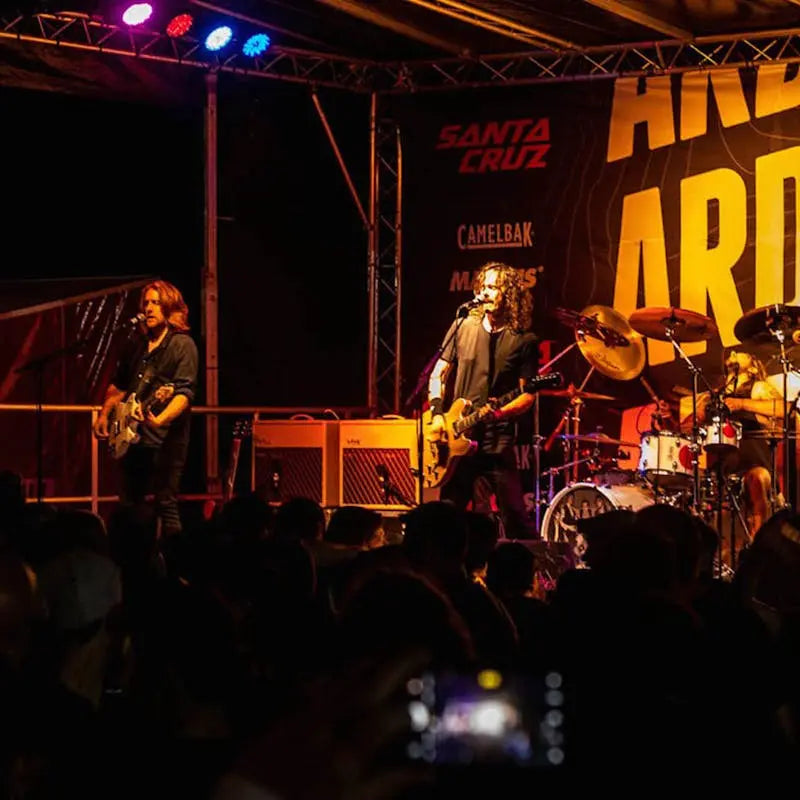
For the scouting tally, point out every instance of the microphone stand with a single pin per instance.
(788, 490)
(390, 490)
(669, 331)
(416, 399)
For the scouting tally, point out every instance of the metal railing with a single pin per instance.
(94, 498)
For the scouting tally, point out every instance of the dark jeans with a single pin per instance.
(499, 470)
(157, 470)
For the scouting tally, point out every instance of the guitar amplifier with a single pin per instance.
(296, 458)
(377, 463)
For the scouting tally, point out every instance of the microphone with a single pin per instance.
(275, 474)
(130, 322)
(732, 383)
(470, 304)
(383, 478)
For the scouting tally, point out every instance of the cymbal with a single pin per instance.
(761, 324)
(592, 326)
(571, 391)
(608, 342)
(597, 439)
(686, 326)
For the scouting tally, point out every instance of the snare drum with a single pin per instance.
(721, 436)
(666, 459)
(581, 500)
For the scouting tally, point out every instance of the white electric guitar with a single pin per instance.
(125, 418)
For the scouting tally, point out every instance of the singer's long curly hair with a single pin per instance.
(517, 302)
(173, 306)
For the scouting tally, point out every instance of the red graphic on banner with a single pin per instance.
(506, 146)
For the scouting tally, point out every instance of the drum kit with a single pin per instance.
(676, 461)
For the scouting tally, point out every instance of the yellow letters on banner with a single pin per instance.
(653, 107)
(706, 271)
(771, 172)
(773, 92)
(642, 239)
(727, 87)
(706, 276)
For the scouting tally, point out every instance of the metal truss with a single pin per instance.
(82, 32)
(388, 154)
(547, 66)
(303, 66)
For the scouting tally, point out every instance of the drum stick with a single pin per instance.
(653, 396)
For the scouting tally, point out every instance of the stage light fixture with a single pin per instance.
(219, 38)
(256, 45)
(180, 25)
(137, 13)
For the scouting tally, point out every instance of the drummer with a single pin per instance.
(757, 406)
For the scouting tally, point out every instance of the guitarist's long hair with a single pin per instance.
(173, 306)
(517, 305)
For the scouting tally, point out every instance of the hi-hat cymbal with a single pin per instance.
(683, 325)
(573, 392)
(597, 439)
(762, 324)
(609, 343)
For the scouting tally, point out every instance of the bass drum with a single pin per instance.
(581, 500)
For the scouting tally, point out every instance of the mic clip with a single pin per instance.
(465, 308)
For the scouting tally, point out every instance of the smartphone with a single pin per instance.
(487, 717)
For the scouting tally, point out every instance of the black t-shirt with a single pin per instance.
(489, 365)
(174, 362)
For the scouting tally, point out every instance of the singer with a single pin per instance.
(493, 351)
(160, 366)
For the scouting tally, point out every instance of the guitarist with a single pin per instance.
(160, 366)
(493, 352)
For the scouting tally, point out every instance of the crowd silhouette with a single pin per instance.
(270, 657)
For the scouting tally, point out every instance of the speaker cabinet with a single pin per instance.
(296, 458)
(377, 463)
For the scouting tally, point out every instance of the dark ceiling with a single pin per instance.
(388, 30)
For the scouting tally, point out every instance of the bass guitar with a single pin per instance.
(439, 457)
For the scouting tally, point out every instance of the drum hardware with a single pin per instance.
(571, 414)
(720, 492)
(721, 435)
(610, 346)
(551, 473)
(608, 342)
(571, 391)
(667, 460)
(775, 324)
(582, 500)
(672, 324)
(676, 325)
(598, 439)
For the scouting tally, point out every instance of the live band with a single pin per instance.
(721, 446)
(724, 450)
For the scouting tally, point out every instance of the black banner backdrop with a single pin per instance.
(673, 190)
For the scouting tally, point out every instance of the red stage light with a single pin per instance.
(180, 25)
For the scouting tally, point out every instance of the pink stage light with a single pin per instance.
(137, 13)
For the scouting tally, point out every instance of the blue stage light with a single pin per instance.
(256, 45)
